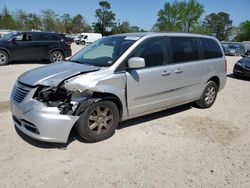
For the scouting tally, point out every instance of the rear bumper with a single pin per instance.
(68, 52)
(42, 123)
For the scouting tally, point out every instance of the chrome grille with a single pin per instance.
(19, 92)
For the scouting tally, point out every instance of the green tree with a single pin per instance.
(6, 20)
(125, 27)
(33, 22)
(218, 25)
(80, 25)
(135, 29)
(243, 32)
(21, 18)
(199, 29)
(67, 23)
(179, 16)
(105, 18)
(49, 19)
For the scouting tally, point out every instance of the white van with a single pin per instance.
(89, 37)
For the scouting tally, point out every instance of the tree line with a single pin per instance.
(179, 16)
(49, 20)
(186, 17)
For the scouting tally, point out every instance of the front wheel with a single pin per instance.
(56, 56)
(208, 96)
(83, 42)
(99, 121)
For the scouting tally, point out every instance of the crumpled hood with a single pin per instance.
(54, 74)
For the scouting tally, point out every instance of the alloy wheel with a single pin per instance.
(210, 95)
(100, 120)
(57, 57)
(3, 58)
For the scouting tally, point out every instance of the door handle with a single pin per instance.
(165, 73)
(178, 71)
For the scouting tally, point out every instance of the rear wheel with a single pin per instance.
(208, 96)
(4, 58)
(56, 56)
(99, 121)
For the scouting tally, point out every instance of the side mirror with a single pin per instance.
(136, 62)
(13, 40)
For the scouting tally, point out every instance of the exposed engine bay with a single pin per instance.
(68, 102)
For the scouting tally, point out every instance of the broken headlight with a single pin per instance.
(55, 97)
(66, 101)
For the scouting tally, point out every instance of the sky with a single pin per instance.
(142, 13)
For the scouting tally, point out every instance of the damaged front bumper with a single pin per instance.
(41, 122)
(37, 120)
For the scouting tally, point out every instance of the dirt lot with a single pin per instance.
(180, 147)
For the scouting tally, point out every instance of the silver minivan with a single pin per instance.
(114, 79)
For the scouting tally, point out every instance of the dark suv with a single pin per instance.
(20, 46)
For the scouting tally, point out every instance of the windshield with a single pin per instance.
(8, 36)
(104, 52)
(232, 47)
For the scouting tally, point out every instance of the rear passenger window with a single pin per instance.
(152, 51)
(211, 48)
(184, 49)
(54, 38)
(40, 37)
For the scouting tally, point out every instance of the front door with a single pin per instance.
(22, 47)
(147, 87)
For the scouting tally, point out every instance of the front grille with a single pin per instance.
(19, 92)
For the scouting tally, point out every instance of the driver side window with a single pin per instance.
(23, 37)
(153, 52)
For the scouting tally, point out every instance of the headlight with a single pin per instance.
(54, 97)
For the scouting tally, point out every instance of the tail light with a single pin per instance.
(225, 68)
(68, 43)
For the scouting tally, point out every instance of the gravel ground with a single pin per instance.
(179, 147)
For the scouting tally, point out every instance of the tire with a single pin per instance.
(56, 56)
(99, 121)
(83, 42)
(4, 58)
(208, 96)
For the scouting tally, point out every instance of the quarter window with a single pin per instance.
(184, 49)
(211, 48)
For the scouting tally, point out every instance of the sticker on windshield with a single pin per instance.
(131, 38)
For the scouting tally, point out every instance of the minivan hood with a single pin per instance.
(54, 74)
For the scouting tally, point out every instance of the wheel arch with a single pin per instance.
(110, 97)
(215, 79)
